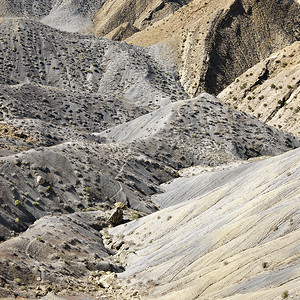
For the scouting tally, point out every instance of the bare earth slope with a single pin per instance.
(96, 133)
(237, 239)
(46, 56)
(205, 128)
(71, 16)
(133, 16)
(216, 41)
(270, 90)
(128, 162)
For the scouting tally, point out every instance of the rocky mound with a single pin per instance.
(234, 239)
(270, 90)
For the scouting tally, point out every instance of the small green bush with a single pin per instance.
(39, 238)
(285, 294)
(243, 86)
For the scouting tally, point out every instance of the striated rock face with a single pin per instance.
(214, 41)
(247, 33)
(211, 42)
(231, 234)
(270, 90)
(137, 14)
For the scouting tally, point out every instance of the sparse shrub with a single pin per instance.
(285, 294)
(39, 238)
(17, 202)
(134, 216)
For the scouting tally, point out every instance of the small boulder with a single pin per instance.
(40, 180)
(116, 216)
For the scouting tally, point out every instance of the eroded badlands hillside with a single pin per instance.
(270, 90)
(231, 234)
(71, 16)
(96, 133)
(216, 41)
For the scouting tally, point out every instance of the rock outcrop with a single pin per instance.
(270, 90)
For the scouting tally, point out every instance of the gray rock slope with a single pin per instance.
(43, 55)
(55, 249)
(237, 238)
(270, 90)
(205, 130)
(117, 165)
(71, 16)
(87, 122)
